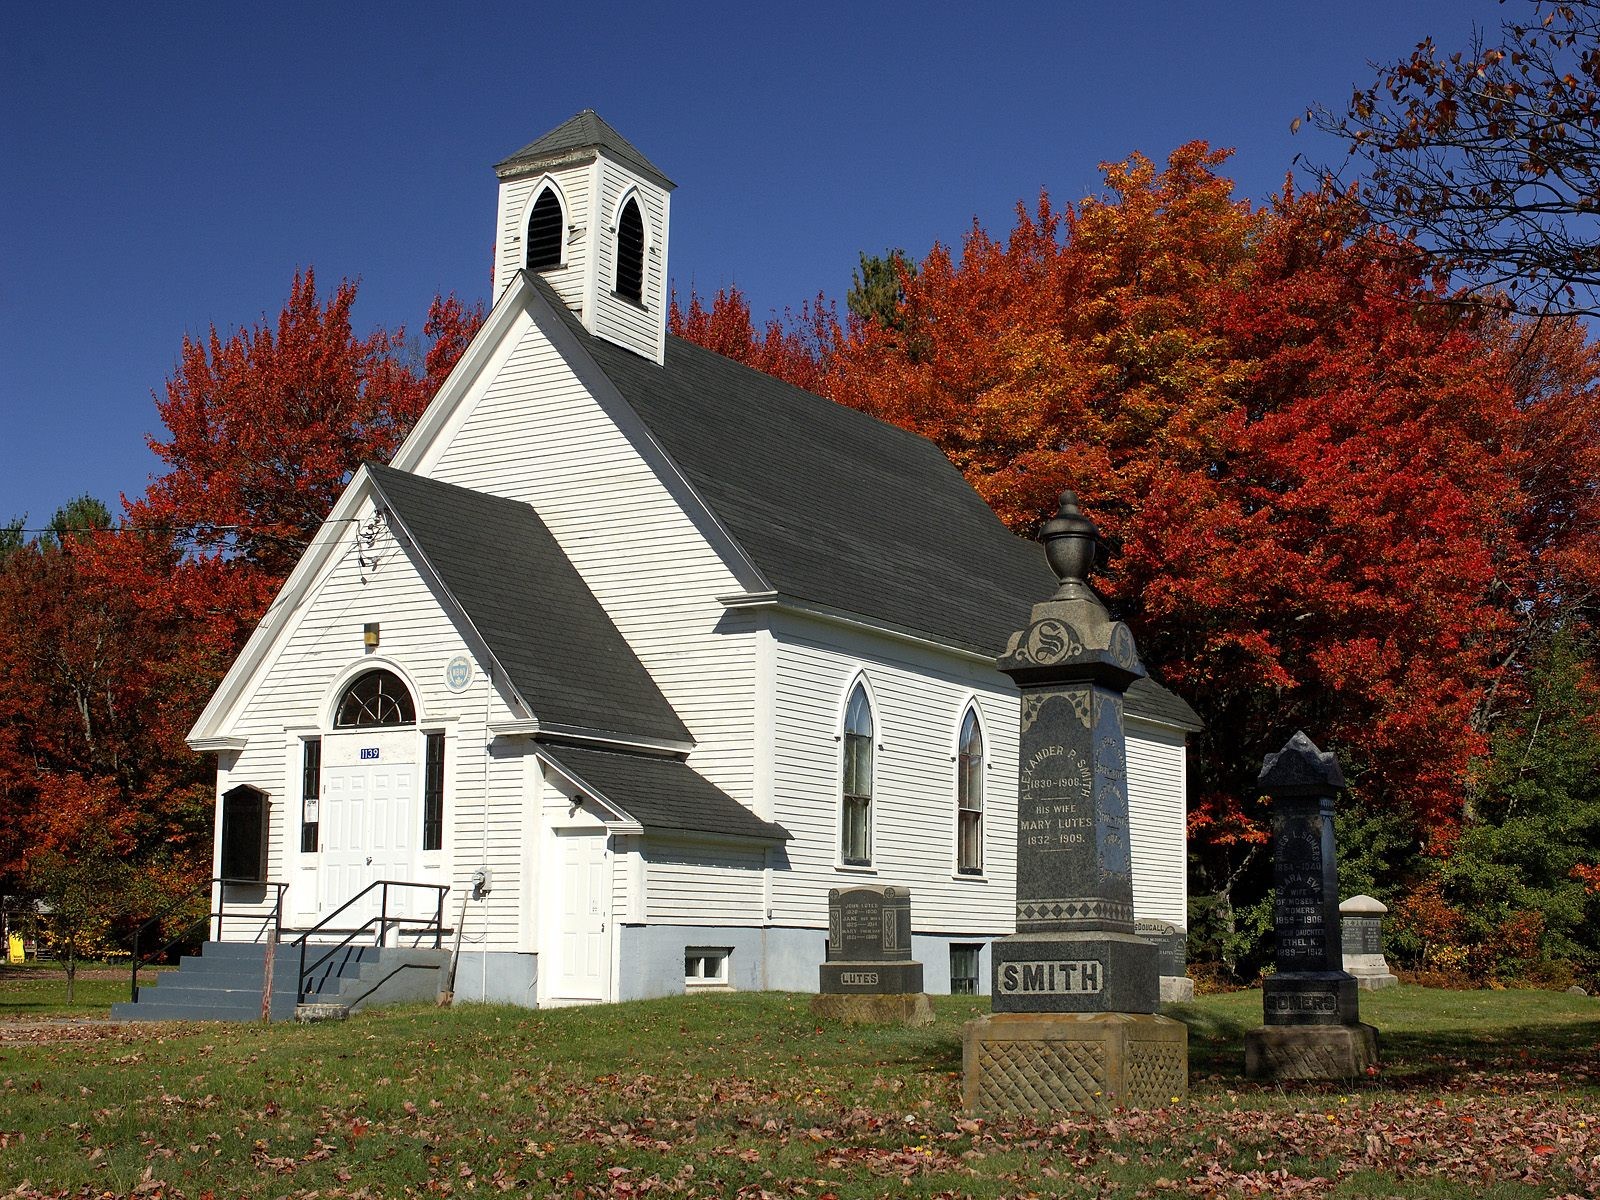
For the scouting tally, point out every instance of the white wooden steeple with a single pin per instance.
(583, 210)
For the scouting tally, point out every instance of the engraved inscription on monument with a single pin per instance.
(1053, 813)
(1058, 978)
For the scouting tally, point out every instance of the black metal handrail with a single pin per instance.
(276, 917)
(384, 922)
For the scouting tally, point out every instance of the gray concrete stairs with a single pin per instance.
(224, 982)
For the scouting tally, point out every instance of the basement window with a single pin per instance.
(964, 960)
(705, 967)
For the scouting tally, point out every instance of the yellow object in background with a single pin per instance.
(14, 949)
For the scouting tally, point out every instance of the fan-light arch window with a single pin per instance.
(855, 818)
(373, 700)
(545, 227)
(630, 252)
(969, 796)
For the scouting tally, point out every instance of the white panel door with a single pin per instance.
(584, 972)
(369, 831)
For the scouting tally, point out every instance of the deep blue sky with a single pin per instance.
(167, 166)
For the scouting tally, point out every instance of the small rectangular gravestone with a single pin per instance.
(1362, 937)
(869, 975)
(1312, 1015)
(1172, 958)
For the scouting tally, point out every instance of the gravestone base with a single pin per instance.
(1310, 1052)
(1176, 989)
(912, 1009)
(1369, 980)
(1073, 1062)
(892, 978)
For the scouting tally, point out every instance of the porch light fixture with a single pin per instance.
(369, 635)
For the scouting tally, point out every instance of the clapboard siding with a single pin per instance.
(536, 434)
(640, 328)
(295, 688)
(1157, 822)
(693, 885)
(918, 704)
(919, 700)
(516, 200)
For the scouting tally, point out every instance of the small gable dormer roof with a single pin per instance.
(578, 140)
(526, 600)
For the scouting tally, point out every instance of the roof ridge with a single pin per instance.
(583, 130)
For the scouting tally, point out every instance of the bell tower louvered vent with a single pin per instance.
(586, 213)
(545, 232)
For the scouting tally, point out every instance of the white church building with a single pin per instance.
(653, 648)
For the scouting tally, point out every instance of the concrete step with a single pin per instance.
(224, 982)
(306, 1013)
(397, 977)
(222, 1006)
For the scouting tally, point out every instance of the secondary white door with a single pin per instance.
(369, 822)
(583, 971)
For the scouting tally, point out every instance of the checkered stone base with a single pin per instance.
(1073, 1062)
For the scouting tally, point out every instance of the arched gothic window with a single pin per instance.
(630, 252)
(969, 796)
(855, 820)
(375, 699)
(545, 227)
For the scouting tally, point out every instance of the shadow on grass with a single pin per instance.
(1518, 1058)
(1506, 1058)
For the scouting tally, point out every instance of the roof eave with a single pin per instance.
(584, 736)
(517, 167)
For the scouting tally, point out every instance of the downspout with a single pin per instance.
(480, 888)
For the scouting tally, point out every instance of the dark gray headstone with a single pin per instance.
(869, 943)
(1075, 949)
(1362, 936)
(1172, 954)
(1311, 986)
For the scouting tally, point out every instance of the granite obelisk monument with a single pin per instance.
(1075, 989)
(1310, 1005)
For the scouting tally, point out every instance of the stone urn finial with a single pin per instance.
(1070, 542)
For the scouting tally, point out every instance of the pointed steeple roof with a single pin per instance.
(574, 141)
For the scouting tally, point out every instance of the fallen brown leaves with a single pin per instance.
(756, 1102)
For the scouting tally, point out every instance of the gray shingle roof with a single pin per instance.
(587, 130)
(662, 794)
(538, 617)
(838, 508)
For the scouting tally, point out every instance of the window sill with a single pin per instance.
(968, 877)
(629, 301)
(706, 985)
(855, 869)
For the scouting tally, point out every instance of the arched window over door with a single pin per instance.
(374, 700)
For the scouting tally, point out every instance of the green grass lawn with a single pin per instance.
(39, 990)
(1487, 1094)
